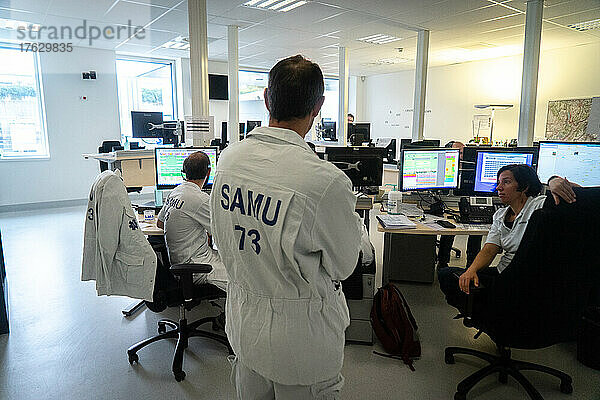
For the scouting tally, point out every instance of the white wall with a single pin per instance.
(74, 127)
(453, 90)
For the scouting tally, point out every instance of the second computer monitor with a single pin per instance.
(146, 124)
(426, 169)
(577, 161)
(363, 165)
(489, 161)
(251, 125)
(359, 133)
(169, 165)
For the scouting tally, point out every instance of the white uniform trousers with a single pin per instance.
(250, 385)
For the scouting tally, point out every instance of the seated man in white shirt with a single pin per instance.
(185, 218)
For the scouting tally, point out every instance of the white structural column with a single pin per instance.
(420, 85)
(198, 57)
(343, 99)
(531, 63)
(234, 92)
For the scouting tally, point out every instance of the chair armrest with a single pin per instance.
(191, 268)
(474, 291)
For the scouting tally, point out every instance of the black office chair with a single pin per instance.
(174, 287)
(538, 300)
(107, 147)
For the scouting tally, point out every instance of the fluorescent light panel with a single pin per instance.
(379, 38)
(585, 26)
(14, 25)
(275, 5)
(179, 43)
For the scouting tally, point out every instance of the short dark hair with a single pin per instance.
(295, 87)
(350, 115)
(526, 178)
(450, 144)
(196, 166)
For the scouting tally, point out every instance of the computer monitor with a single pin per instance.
(328, 130)
(169, 130)
(489, 161)
(169, 163)
(422, 143)
(359, 133)
(429, 168)
(579, 162)
(251, 125)
(389, 144)
(146, 124)
(363, 165)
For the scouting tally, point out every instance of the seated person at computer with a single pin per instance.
(518, 187)
(185, 218)
(446, 241)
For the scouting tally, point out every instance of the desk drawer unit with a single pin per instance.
(408, 257)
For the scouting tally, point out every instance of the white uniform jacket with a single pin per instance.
(285, 226)
(115, 252)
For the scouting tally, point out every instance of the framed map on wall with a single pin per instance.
(575, 120)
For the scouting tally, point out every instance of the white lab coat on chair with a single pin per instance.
(116, 253)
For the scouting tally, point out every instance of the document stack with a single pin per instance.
(396, 222)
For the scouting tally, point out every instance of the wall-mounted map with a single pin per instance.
(576, 120)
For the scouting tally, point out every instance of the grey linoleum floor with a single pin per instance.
(67, 343)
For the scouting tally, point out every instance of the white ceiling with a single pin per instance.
(461, 30)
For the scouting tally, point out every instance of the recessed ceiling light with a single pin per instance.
(179, 43)
(275, 5)
(14, 25)
(380, 38)
(586, 26)
(389, 61)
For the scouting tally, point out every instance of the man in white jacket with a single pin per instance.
(285, 224)
(185, 218)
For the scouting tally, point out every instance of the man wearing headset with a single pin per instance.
(185, 218)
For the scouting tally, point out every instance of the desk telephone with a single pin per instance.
(478, 210)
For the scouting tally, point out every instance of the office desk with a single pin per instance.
(137, 166)
(409, 254)
(149, 228)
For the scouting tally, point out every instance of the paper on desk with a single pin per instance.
(434, 226)
(474, 227)
(397, 221)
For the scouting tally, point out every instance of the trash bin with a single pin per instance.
(588, 342)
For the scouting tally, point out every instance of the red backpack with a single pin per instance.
(395, 325)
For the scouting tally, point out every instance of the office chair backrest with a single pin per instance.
(107, 147)
(540, 297)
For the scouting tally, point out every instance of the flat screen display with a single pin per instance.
(218, 88)
(424, 169)
(169, 163)
(579, 162)
(489, 162)
(363, 165)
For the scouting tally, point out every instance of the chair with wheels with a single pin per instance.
(538, 300)
(175, 287)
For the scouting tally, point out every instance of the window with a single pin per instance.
(145, 85)
(252, 100)
(330, 106)
(252, 103)
(22, 121)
